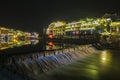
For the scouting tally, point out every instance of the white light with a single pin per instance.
(117, 29)
(108, 19)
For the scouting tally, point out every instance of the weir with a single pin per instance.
(38, 63)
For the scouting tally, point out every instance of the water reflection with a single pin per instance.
(100, 63)
(16, 43)
(106, 58)
(53, 46)
(101, 66)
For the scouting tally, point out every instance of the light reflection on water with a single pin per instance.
(17, 43)
(101, 66)
(105, 58)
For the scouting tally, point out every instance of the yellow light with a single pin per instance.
(15, 36)
(105, 58)
(104, 52)
(14, 40)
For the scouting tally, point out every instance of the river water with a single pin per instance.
(104, 65)
(55, 61)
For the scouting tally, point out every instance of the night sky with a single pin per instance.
(37, 14)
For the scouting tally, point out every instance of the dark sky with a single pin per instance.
(36, 14)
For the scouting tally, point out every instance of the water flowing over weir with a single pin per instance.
(33, 65)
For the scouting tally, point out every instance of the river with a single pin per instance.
(103, 65)
(60, 62)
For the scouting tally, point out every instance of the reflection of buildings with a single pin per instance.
(54, 46)
(16, 43)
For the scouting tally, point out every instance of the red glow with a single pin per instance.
(77, 32)
(51, 36)
(50, 43)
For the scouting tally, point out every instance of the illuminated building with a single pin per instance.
(87, 26)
